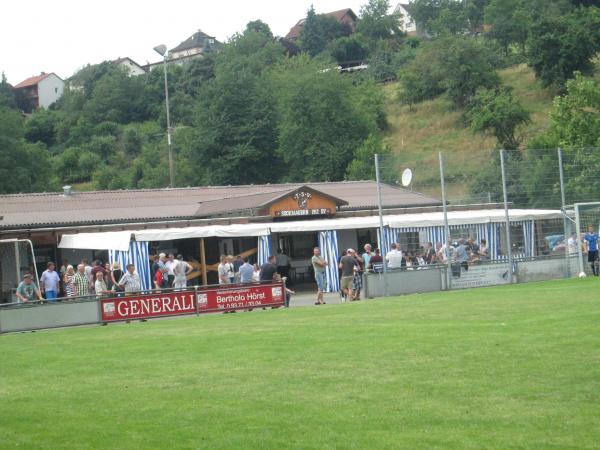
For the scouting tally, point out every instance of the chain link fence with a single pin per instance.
(512, 208)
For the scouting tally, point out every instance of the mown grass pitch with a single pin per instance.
(506, 367)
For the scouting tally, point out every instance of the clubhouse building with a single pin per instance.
(254, 220)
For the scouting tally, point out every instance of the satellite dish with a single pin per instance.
(406, 177)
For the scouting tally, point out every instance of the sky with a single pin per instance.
(63, 36)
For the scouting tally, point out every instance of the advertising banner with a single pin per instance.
(480, 275)
(192, 301)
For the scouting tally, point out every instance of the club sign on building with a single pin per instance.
(305, 202)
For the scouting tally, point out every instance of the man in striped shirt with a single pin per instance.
(130, 281)
(81, 281)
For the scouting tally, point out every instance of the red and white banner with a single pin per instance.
(192, 301)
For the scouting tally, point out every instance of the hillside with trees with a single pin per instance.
(479, 75)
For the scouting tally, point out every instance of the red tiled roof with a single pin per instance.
(294, 33)
(32, 81)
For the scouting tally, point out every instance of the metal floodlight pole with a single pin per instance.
(162, 50)
(446, 226)
(506, 215)
(563, 205)
(380, 207)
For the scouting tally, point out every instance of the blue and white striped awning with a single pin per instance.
(138, 256)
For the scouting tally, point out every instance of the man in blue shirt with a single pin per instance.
(246, 272)
(50, 282)
(591, 239)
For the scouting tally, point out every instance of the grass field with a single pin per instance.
(506, 367)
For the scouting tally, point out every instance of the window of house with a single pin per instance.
(56, 90)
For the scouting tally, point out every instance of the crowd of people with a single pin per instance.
(238, 270)
(85, 280)
(352, 264)
(169, 272)
(98, 279)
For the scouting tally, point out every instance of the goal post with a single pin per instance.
(586, 214)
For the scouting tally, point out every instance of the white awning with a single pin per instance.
(111, 240)
(468, 217)
(347, 223)
(119, 240)
(170, 234)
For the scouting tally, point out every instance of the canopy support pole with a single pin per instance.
(203, 262)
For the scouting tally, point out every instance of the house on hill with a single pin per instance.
(408, 25)
(39, 91)
(196, 46)
(343, 16)
(129, 65)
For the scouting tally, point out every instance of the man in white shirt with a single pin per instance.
(223, 270)
(394, 257)
(170, 264)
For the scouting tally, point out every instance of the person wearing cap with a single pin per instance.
(27, 290)
(347, 265)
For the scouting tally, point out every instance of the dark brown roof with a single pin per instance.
(339, 15)
(198, 39)
(24, 211)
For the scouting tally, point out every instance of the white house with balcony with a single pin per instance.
(39, 91)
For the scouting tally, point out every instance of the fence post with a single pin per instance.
(446, 226)
(381, 237)
(506, 215)
(579, 240)
(563, 206)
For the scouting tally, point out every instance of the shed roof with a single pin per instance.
(24, 211)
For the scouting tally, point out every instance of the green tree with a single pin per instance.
(321, 122)
(348, 49)
(497, 112)
(376, 23)
(7, 97)
(558, 46)
(259, 26)
(24, 167)
(318, 30)
(467, 66)
(423, 78)
(362, 167)
(235, 121)
(41, 127)
(509, 22)
(117, 97)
